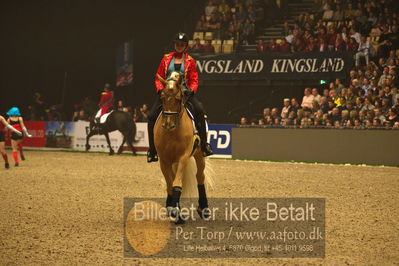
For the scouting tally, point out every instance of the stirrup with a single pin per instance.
(207, 150)
(151, 157)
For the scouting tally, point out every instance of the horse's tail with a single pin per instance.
(190, 189)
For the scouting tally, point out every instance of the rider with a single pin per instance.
(106, 102)
(181, 62)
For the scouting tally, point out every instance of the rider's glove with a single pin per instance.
(189, 93)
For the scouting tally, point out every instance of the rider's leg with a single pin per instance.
(200, 123)
(152, 118)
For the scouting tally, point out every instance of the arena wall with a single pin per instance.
(379, 147)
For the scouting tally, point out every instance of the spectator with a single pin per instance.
(335, 115)
(284, 47)
(208, 48)
(310, 46)
(272, 47)
(210, 8)
(295, 105)
(197, 46)
(89, 106)
(367, 86)
(248, 31)
(143, 113)
(322, 45)
(354, 34)
(286, 108)
(392, 117)
(363, 51)
(324, 104)
(261, 46)
(352, 45)
(338, 14)
(38, 112)
(367, 105)
(307, 99)
(120, 105)
(385, 75)
(243, 121)
(316, 95)
(340, 44)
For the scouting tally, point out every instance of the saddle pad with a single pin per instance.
(104, 117)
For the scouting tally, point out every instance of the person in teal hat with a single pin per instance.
(16, 121)
(3, 123)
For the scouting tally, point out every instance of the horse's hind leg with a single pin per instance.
(203, 209)
(111, 151)
(129, 141)
(120, 150)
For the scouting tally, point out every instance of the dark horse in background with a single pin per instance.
(117, 120)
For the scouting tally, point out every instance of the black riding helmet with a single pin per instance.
(181, 37)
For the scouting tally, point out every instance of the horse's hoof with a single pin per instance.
(88, 147)
(204, 213)
(111, 152)
(119, 152)
(180, 220)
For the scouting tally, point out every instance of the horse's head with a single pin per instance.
(172, 99)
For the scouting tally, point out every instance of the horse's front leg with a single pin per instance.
(91, 133)
(178, 179)
(168, 174)
(111, 151)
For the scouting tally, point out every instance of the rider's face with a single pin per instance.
(180, 46)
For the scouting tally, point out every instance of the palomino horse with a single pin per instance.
(117, 120)
(178, 149)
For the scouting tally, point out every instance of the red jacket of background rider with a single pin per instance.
(190, 71)
(107, 99)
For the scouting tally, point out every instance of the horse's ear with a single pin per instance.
(161, 79)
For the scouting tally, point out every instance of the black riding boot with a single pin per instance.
(152, 152)
(201, 127)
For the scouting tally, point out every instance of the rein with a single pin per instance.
(176, 114)
(172, 113)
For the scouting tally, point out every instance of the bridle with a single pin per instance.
(174, 113)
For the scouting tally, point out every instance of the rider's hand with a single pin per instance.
(189, 93)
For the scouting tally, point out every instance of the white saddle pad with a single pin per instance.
(104, 117)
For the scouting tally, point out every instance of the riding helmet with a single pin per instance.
(181, 37)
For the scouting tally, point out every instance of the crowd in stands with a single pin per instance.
(368, 28)
(227, 20)
(367, 102)
(369, 97)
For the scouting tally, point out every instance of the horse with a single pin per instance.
(117, 120)
(179, 150)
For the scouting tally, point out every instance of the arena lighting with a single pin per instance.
(323, 81)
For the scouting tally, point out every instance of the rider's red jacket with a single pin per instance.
(190, 71)
(106, 101)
